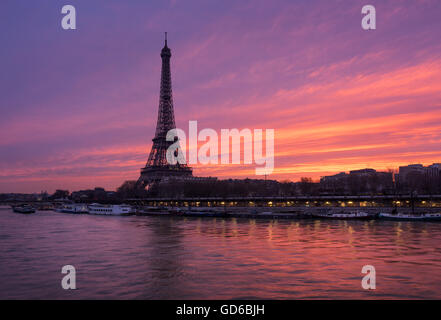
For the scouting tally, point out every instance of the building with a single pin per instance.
(334, 184)
(364, 181)
(434, 171)
(408, 171)
(363, 172)
(420, 179)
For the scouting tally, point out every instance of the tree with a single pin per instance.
(60, 194)
(306, 185)
(130, 189)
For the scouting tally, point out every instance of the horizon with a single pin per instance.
(394, 171)
(79, 107)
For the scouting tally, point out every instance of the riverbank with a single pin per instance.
(276, 212)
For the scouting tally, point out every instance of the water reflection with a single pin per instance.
(185, 258)
(166, 271)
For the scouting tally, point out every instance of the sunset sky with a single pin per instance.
(78, 108)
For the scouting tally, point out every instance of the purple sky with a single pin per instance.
(78, 108)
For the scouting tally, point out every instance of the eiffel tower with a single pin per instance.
(157, 166)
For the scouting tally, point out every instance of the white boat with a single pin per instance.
(340, 214)
(110, 210)
(411, 216)
(73, 208)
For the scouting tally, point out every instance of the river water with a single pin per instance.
(213, 258)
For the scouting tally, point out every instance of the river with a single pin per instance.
(214, 258)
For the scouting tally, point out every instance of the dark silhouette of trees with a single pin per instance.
(356, 183)
(176, 188)
(131, 189)
(60, 194)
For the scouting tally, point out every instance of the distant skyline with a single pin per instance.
(78, 108)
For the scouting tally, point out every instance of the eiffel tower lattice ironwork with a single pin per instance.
(157, 166)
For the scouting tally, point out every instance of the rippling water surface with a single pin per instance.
(212, 258)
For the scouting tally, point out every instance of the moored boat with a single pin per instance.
(198, 213)
(110, 210)
(73, 208)
(45, 207)
(411, 216)
(343, 215)
(25, 209)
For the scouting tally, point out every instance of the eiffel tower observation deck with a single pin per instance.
(157, 166)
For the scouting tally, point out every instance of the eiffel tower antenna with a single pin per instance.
(157, 166)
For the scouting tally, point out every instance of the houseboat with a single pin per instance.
(411, 216)
(343, 215)
(111, 210)
(73, 208)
